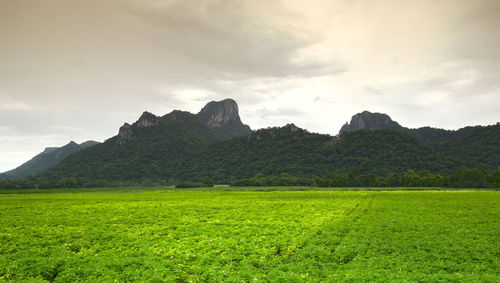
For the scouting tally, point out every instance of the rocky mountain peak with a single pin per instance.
(371, 122)
(147, 119)
(124, 134)
(221, 116)
(292, 127)
(219, 113)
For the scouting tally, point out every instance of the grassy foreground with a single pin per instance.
(220, 235)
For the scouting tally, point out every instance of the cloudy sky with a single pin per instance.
(78, 69)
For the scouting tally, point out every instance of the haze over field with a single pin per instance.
(77, 70)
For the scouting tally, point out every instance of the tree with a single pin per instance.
(207, 182)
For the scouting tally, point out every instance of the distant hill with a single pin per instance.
(298, 152)
(223, 117)
(369, 121)
(155, 146)
(182, 146)
(46, 159)
(475, 147)
(218, 119)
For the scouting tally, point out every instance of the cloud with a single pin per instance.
(124, 53)
(11, 104)
(229, 40)
(266, 113)
(373, 90)
(79, 69)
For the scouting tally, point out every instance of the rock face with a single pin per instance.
(147, 120)
(370, 122)
(219, 113)
(376, 121)
(224, 117)
(220, 116)
(292, 128)
(125, 134)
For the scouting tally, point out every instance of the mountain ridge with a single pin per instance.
(222, 115)
(373, 121)
(214, 142)
(49, 157)
(269, 151)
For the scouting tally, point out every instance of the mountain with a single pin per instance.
(218, 119)
(88, 144)
(182, 146)
(224, 118)
(369, 121)
(46, 159)
(295, 151)
(475, 147)
(154, 146)
(270, 151)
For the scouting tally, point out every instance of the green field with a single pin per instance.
(283, 236)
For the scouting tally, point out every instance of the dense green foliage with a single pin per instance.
(251, 236)
(463, 178)
(181, 148)
(430, 135)
(479, 147)
(188, 185)
(281, 180)
(379, 121)
(207, 182)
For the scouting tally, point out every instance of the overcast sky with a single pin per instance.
(77, 70)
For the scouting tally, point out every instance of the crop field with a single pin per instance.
(241, 236)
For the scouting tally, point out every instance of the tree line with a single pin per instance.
(461, 178)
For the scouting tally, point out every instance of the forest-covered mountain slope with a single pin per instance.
(46, 159)
(369, 121)
(182, 154)
(214, 143)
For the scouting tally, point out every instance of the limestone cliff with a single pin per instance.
(221, 117)
(377, 121)
(147, 119)
(371, 122)
(224, 116)
(125, 134)
(219, 113)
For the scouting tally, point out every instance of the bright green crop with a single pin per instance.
(278, 236)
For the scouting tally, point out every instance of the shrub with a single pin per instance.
(188, 185)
